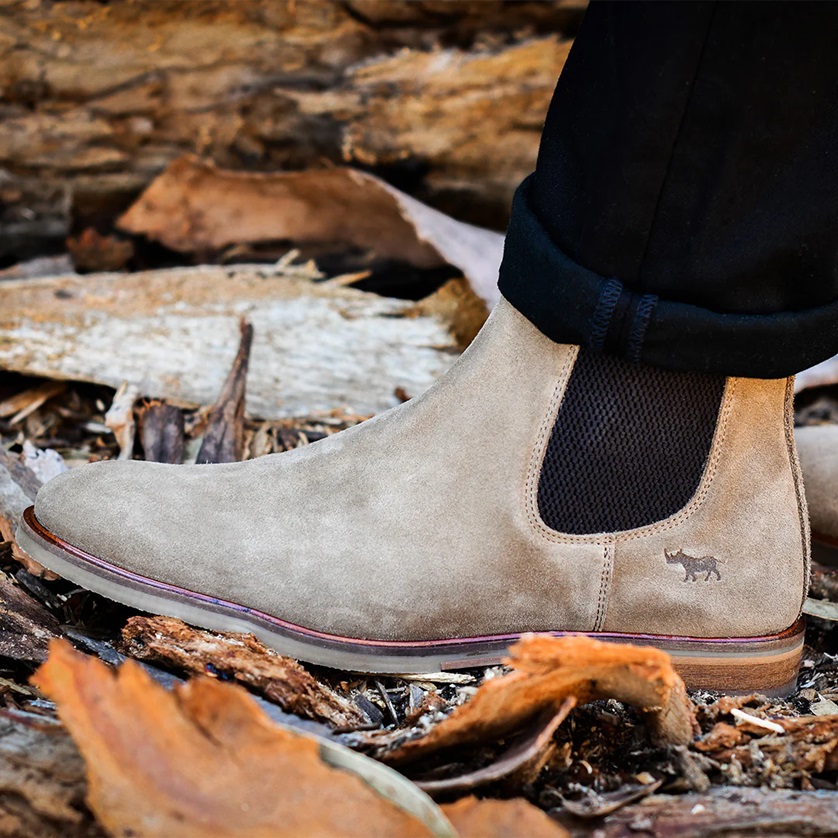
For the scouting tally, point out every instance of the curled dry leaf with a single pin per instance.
(473, 818)
(546, 671)
(241, 657)
(203, 760)
(520, 764)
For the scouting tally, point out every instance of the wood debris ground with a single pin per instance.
(589, 761)
(225, 315)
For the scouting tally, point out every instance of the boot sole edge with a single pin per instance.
(767, 664)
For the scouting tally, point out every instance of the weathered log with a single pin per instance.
(446, 98)
(26, 627)
(42, 780)
(174, 333)
(729, 812)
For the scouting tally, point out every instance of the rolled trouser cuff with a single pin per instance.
(572, 304)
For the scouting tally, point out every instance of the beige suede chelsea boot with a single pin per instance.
(535, 487)
(818, 447)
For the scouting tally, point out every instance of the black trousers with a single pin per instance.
(684, 208)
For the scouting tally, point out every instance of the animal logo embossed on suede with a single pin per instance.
(693, 567)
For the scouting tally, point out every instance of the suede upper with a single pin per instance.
(422, 523)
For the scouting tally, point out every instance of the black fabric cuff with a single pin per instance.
(571, 304)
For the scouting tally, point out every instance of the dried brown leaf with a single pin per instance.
(167, 641)
(202, 760)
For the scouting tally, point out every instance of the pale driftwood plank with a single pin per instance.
(174, 335)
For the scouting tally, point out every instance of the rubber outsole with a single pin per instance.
(768, 664)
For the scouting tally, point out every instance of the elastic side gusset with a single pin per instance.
(628, 447)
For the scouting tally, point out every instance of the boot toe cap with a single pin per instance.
(94, 507)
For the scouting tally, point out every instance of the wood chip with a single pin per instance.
(821, 608)
(120, 419)
(161, 432)
(240, 657)
(224, 435)
(755, 721)
(28, 401)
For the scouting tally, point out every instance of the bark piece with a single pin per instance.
(473, 818)
(519, 765)
(194, 206)
(734, 813)
(546, 671)
(42, 780)
(224, 436)
(7, 536)
(26, 627)
(203, 760)
(91, 251)
(822, 608)
(803, 748)
(162, 432)
(174, 333)
(240, 657)
(120, 419)
(824, 582)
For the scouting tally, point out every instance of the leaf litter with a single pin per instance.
(596, 737)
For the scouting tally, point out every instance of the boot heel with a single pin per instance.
(767, 665)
